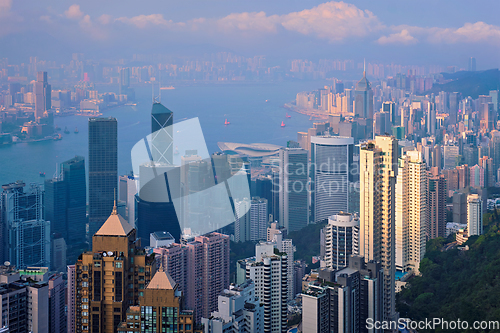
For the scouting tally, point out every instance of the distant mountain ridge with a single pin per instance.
(470, 84)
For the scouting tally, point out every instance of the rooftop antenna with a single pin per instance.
(159, 84)
(114, 212)
(364, 67)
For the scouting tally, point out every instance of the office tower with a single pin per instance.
(124, 80)
(268, 270)
(450, 156)
(42, 95)
(331, 174)
(162, 138)
(275, 229)
(487, 165)
(57, 304)
(71, 299)
(472, 64)
(286, 246)
(258, 219)
(488, 117)
(477, 176)
(242, 222)
(494, 150)
(341, 239)
(381, 123)
(378, 172)
(390, 108)
(363, 98)
(459, 208)
(159, 309)
(239, 311)
(470, 154)
(299, 271)
(454, 100)
(411, 212)
(66, 203)
(110, 277)
(202, 269)
(443, 102)
(342, 301)
(25, 233)
(436, 227)
(494, 100)
(264, 190)
(103, 170)
(431, 118)
(474, 215)
(58, 250)
(293, 189)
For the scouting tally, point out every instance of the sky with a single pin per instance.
(406, 32)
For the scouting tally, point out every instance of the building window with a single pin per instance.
(118, 264)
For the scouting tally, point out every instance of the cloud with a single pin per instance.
(74, 12)
(402, 37)
(46, 18)
(144, 21)
(5, 6)
(104, 19)
(90, 28)
(255, 22)
(334, 21)
(468, 33)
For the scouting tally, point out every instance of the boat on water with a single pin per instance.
(58, 137)
(66, 130)
(76, 130)
(267, 100)
(283, 124)
(167, 88)
(42, 174)
(226, 122)
(57, 128)
(288, 116)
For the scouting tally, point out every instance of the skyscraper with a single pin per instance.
(472, 64)
(474, 215)
(42, 95)
(25, 233)
(162, 139)
(66, 201)
(363, 98)
(331, 172)
(454, 99)
(110, 277)
(258, 219)
(242, 222)
(436, 227)
(378, 172)
(341, 239)
(103, 170)
(411, 211)
(390, 108)
(293, 188)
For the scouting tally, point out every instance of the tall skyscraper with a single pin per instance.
(25, 233)
(331, 172)
(431, 118)
(42, 95)
(472, 64)
(268, 270)
(242, 222)
(103, 170)
(66, 202)
(110, 277)
(124, 80)
(454, 99)
(436, 227)
(390, 108)
(450, 156)
(474, 215)
(378, 172)
(71, 299)
(258, 219)
(57, 304)
(293, 188)
(411, 211)
(341, 239)
(363, 98)
(381, 123)
(162, 139)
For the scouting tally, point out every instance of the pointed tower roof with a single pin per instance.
(162, 280)
(159, 108)
(363, 84)
(115, 225)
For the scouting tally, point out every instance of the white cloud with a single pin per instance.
(334, 21)
(468, 33)
(104, 19)
(74, 12)
(255, 22)
(402, 37)
(5, 6)
(144, 21)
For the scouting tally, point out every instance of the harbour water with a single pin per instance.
(243, 105)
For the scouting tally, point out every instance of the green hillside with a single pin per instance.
(469, 83)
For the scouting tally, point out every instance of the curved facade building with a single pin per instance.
(331, 175)
(341, 239)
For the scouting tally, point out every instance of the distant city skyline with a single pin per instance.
(279, 29)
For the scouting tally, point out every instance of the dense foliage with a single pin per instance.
(457, 284)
